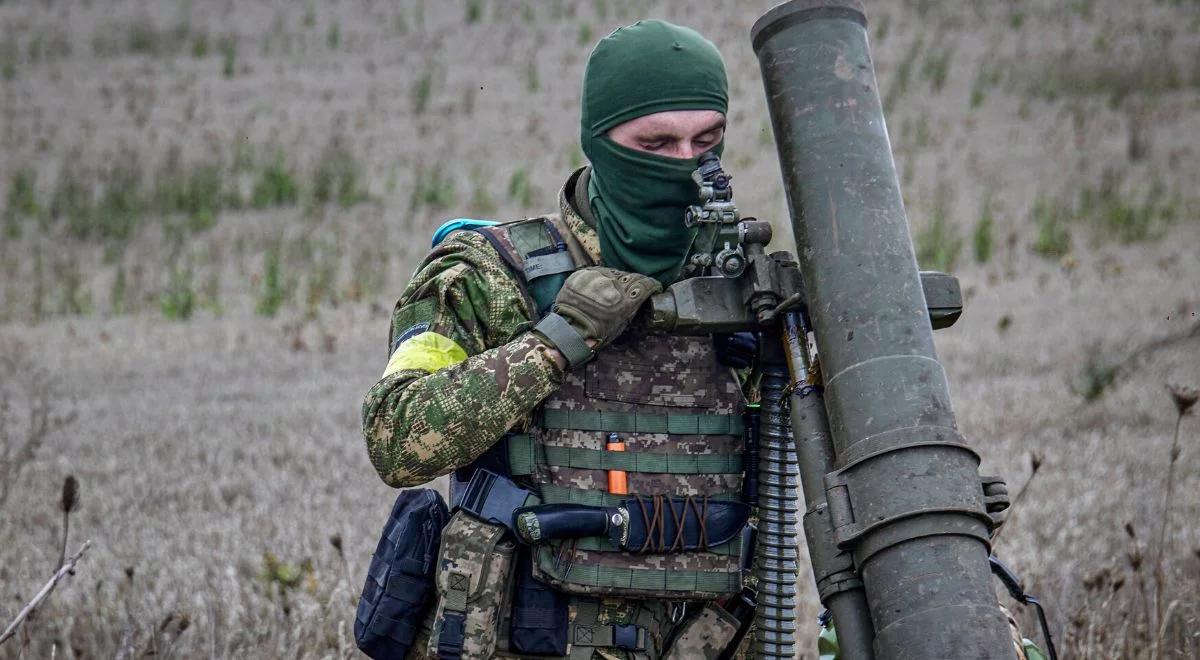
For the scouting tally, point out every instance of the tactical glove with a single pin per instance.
(597, 304)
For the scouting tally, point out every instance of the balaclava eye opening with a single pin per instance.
(639, 198)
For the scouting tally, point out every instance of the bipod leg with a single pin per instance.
(838, 583)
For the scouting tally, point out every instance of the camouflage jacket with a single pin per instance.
(464, 368)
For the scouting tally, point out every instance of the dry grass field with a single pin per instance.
(209, 207)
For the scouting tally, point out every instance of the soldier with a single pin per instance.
(509, 353)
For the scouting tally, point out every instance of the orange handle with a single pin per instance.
(618, 480)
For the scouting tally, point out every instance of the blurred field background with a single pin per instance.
(209, 207)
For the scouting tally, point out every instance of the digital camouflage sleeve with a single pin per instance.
(463, 366)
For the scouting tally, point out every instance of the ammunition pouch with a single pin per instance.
(540, 623)
(706, 635)
(399, 588)
(474, 577)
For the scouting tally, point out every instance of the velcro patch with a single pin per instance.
(411, 332)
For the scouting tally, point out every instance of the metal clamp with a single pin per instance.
(938, 496)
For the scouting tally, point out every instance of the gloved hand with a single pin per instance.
(594, 304)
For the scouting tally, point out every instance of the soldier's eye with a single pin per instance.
(654, 146)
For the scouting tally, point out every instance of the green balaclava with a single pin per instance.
(639, 198)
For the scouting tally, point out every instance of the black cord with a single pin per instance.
(1013, 584)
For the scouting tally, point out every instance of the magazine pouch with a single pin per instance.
(474, 572)
(399, 588)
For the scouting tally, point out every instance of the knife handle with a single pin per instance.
(547, 522)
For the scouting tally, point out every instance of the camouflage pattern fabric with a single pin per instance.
(657, 375)
(420, 425)
(705, 636)
(474, 570)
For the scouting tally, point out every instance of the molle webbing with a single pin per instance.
(567, 495)
(600, 544)
(694, 583)
(632, 422)
(524, 453)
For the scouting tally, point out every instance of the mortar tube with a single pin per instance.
(906, 499)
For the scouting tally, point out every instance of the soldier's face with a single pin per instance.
(675, 133)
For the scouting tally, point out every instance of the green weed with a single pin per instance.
(243, 154)
(38, 294)
(333, 38)
(1115, 78)
(287, 576)
(938, 242)
(1052, 238)
(119, 291)
(519, 188)
(72, 198)
(227, 45)
(210, 291)
(370, 268)
(75, 298)
(986, 77)
(1114, 216)
(310, 16)
(1097, 375)
(421, 91)
(904, 72)
(8, 57)
(273, 292)
(474, 10)
(200, 45)
(121, 203)
(336, 176)
(882, 25)
(574, 156)
(433, 189)
(481, 202)
(22, 200)
(937, 68)
(321, 284)
(981, 239)
(178, 301)
(532, 81)
(143, 38)
(585, 34)
(275, 185)
(195, 191)
(53, 43)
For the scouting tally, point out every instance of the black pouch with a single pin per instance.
(540, 619)
(399, 589)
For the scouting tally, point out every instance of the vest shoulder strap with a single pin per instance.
(538, 254)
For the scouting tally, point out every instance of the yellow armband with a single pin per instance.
(428, 351)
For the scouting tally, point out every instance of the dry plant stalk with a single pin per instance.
(67, 504)
(67, 568)
(1184, 399)
(1035, 464)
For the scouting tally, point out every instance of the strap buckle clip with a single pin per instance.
(491, 497)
